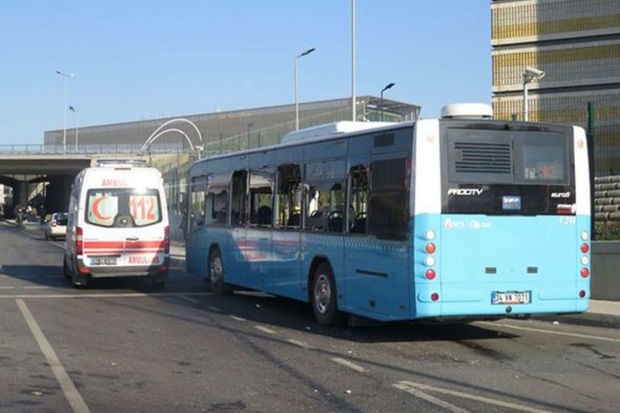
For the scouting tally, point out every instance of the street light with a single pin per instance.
(75, 114)
(353, 60)
(66, 76)
(388, 86)
(529, 74)
(296, 85)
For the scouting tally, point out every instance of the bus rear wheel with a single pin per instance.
(216, 273)
(324, 297)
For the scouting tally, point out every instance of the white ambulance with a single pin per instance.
(118, 224)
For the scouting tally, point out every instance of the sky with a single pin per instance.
(141, 59)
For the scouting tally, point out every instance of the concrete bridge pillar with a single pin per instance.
(58, 193)
(21, 193)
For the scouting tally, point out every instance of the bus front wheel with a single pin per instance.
(324, 297)
(216, 273)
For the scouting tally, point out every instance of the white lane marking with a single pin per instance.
(6, 288)
(348, 364)
(190, 299)
(214, 308)
(102, 295)
(558, 333)
(407, 385)
(234, 317)
(68, 388)
(265, 329)
(300, 344)
(36, 287)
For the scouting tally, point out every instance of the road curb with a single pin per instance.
(585, 319)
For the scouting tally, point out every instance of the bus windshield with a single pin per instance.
(123, 207)
(506, 172)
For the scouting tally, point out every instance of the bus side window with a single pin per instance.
(289, 196)
(358, 200)
(197, 203)
(217, 199)
(261, 198)
(389, 199)
(325, 196)
(239, 197)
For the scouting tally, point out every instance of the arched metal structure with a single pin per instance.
(158, 132)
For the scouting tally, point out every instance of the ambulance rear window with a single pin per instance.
(123, 207)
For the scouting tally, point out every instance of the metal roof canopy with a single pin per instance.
(409, 111)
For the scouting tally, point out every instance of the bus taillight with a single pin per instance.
(430, 248)
(430, 274)
(585, 272)
(430, 235)
(434, 296)
(582, 293)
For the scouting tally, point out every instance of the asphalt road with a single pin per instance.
(122, 346)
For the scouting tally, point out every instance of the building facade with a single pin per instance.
(231, 130)
(577, 44)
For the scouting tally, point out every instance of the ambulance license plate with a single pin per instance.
(511, 297)
(103, 261)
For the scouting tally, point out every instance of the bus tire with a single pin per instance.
(324, 297)
(216, 273)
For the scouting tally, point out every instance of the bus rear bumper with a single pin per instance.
(455, 301)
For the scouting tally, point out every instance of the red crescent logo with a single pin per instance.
(95, 209)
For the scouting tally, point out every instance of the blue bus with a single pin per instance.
(460, 217)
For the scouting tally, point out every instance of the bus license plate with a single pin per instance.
(103, 261)
(513, 297)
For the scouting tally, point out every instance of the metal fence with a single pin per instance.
(44, 149)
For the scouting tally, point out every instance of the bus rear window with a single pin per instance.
(123, 207)
(543, 160)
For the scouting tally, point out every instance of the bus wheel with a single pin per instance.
(216, 273)
(324, 297)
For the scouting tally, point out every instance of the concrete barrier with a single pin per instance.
(605, 270)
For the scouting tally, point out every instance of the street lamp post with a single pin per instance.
(388, 86)
(66, 77)
(529, 74)
(353, 59)
(297, 85)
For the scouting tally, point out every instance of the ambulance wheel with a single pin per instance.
(65, 269)
(79, 280)
(216, 273)
(159, 281)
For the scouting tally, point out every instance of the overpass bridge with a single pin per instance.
(42, 174)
